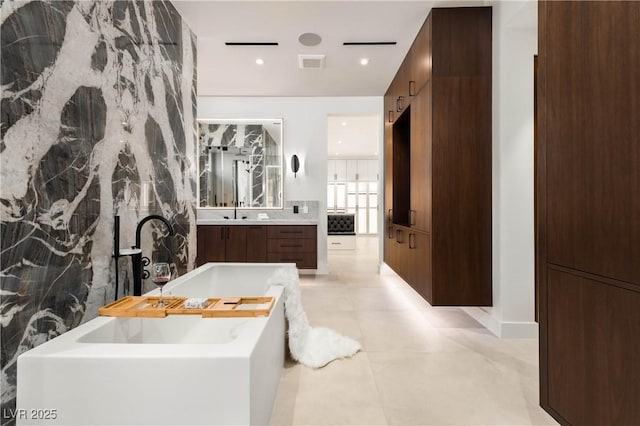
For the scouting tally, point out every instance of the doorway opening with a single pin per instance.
(353, 169)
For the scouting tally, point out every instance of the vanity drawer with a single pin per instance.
(292, 231)
(291, 245)
(302, 260)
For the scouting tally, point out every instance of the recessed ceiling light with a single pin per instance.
(259, 61)
(339, 142)
(364, 61)
(337, 153)
(375, 153)
(344, 123)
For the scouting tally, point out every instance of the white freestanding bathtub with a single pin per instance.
(178, 370)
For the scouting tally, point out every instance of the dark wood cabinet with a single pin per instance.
(236, 243)
(419, 255)
(588, 210)
(388, 170)
(420, 166)
(218, 243)
(293, 243)
(389, 108)
(438, 160)
(258, 243)
(420, 54)
(390, 252)
(401, 87)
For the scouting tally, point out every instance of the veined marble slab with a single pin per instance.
(98, 120)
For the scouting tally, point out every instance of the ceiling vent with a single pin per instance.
(310, 62)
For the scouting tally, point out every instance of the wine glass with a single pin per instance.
(160, 275)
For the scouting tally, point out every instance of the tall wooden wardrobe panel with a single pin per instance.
(421, 128)
(588, 210)
(462, 189)
(390, 255)
(466, 50)
(442, 208)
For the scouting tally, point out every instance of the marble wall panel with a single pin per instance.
(97, 119)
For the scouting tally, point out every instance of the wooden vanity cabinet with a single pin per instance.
(293, 243)
(221, 243)
(258, 243)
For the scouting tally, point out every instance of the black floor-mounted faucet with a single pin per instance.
(138, 262)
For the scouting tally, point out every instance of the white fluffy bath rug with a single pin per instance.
(313, 347)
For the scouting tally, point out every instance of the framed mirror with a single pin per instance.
(240, 163)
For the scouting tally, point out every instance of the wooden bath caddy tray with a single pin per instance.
(216, 307)
(139, 306)
(233, 307)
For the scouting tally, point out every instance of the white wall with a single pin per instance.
(305, 134)
(514, 45)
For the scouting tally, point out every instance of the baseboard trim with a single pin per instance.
(503, 329)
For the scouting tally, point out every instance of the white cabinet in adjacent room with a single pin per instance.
(368, 170)
(331, 170)
(341, 170)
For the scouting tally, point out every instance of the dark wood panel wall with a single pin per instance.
(588, 211)
(438, 173)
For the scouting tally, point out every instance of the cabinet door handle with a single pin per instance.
(390, 116)
(412, 217)
(399, 236)
(291, 245)
(390, 232)
(390, 215)
(399, 103)
(412, 88)
(412, 245)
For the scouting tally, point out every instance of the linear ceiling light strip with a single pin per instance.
(369, 43)
(231, 43)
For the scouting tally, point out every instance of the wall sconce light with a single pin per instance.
(295, 164)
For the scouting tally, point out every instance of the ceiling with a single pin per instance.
(232, 70)
(353, 136)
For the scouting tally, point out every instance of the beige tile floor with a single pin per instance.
(419, 365)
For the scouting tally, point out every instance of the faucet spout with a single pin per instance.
(147, 219)
(137, 262)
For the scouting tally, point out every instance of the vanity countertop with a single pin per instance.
(257, 222)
